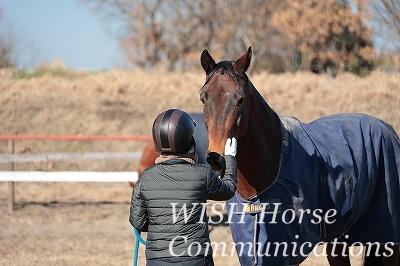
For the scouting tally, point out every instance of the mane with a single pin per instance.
(258, 97)
(222, 67)
(255, 94)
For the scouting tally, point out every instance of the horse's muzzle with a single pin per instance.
(216, 161)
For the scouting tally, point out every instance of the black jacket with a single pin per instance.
(174, 184)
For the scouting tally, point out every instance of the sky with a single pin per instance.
(66, 30)
(49, 30)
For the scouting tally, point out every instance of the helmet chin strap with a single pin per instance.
(192, 147)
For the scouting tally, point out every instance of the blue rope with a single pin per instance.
(138, 240)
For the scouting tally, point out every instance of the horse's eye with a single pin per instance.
(203, 97)
(240, 101)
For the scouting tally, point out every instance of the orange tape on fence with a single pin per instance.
(74, 137)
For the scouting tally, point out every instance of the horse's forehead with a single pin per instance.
(223, 81)
(225, 65)
(222, 78)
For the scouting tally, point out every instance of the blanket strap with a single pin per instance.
(284, 152)
(322, 230)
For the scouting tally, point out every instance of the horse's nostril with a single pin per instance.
(216, 161)
(212, 163)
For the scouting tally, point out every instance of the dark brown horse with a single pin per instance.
(335, 180)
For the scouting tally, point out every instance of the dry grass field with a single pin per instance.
(87, 223)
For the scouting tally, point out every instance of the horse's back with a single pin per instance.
(348, 164)
(359, 161)
(352, 125)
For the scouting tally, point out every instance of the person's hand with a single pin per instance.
(231, 146)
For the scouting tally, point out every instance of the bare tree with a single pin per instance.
(160, 33)
(7, 45)
(16, 51)
(171, 34)
(248, 23)
(141, 28)
(328, 33)
(387, 15)
(189, 26)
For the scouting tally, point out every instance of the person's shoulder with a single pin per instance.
(204, 167)
(148, 172)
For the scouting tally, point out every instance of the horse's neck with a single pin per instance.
(259, 149)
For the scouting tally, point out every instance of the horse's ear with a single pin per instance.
(244, 61)
(207, 62)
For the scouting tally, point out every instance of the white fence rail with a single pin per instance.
(67, 176)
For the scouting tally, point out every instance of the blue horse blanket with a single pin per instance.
(201, 137)
(339, 180)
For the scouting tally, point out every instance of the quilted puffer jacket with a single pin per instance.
(158, 200)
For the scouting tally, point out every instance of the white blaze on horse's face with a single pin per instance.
(224, 99)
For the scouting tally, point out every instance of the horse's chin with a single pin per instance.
(216, 161)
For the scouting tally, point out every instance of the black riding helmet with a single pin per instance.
(173, 131)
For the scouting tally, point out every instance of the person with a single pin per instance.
(177, 184)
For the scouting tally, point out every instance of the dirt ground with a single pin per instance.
(87, 223)
(83, 224)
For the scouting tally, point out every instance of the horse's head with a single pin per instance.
(225, 104)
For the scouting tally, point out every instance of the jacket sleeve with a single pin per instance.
(223, 188)
(138, 216)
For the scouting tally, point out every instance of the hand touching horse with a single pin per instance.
(335, 180)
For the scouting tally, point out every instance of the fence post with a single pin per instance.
(11, 190)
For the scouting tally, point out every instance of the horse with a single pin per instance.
(150, 154)
(334, 181)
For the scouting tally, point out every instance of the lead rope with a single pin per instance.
(138, 240)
